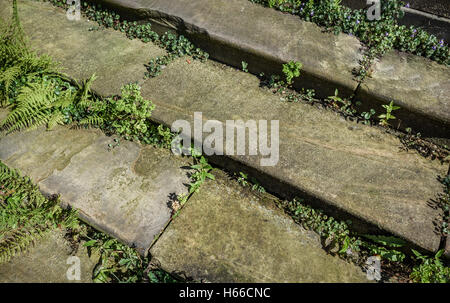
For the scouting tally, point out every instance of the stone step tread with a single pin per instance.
(356, 168)
(225, 233)
(82, 51)
(47, 262)
(124, 191)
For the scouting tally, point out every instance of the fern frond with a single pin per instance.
(93, 120)
(32, 109)
(25, 214)
(85, 91)
(56, 118)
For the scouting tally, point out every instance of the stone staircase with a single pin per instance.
(225, 233)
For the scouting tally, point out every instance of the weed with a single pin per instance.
(431, 269)
(291, 70)
(344, 105)
(202, 172)
(384, 118)
(245, 181)
(379, 35)
(25, 214)
(244, 67)
(385, 247)
(367, 116)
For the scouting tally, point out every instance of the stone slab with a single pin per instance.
(46, 262)
(124, 191)
(237, 30)
(420, 87)
(351, 168)
(114, 58)
(225, 233)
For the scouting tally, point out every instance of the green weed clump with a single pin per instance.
(25, 214)
(430, 269)
(118, 263)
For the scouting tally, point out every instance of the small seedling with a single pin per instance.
(346, 105)
(202, 173)
(291, 70)
(245, 66)
(367, 116)
(388, 115)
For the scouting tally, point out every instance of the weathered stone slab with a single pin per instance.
(420, 86)
(47, 263)
(38, 153)
(225, 233)
(114, 58)
(237, 30)
(124, 191)
(348, 167)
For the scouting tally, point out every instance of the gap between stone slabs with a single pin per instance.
(125, 191)
(228, 234)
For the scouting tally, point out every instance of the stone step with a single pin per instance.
(124, 191)
(48, 261)
(226, 233)
(237, 30)
(350, 170)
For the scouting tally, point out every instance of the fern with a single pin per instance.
(18, 62)
(25, 214)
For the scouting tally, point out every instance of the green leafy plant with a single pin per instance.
(245, 66)
(18, 63)
(379, 35)
(175, 45)
(118, 263)
(244, 180)
(202, 172)
(44, 101)
(126, 116)
(291, 70)
(367, 116)
(25, 214)
(335, 233)
(384, 118)
(430, 269)
(385, 247)
(344, 105)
